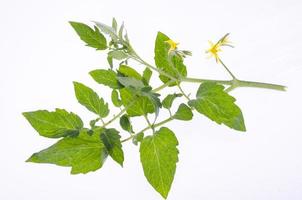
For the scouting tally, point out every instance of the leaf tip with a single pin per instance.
(72, 23)
(91, 72)
(31, 158)
(75, 83)
(24, 114)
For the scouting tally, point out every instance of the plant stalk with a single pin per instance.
(149, 127)
(238, 83)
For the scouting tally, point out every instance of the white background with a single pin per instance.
(40, 56)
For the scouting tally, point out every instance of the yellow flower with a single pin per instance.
(173, 45)
(215, 48)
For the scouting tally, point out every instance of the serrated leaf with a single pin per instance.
(212, 101)
(83, 153)
(129, 72)
(126, 124)
(115, 98)
(92, 38)
(159, 155)
(136, 105)
(131, 82)
(169, 63)
(168, 100)
(183, 113)
(147, 75)
(118, 55)
(111, 140)
(91, 100)
(55, 124)
(105, 77)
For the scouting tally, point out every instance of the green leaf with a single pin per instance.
(91, 100)
(171, 64)
(107, 30)
(114, 24)
(93, 122)
(153, 97)
(219, 106)
(129, 72)
(110, 61)
(120, 32)
(168, 100)
(111, 140)
(55, 124)
(131, 82)
(136, 105)
(126, 124)
(138, 138)
(117, 55)
(183, 113)
(147, 75)
(115, 99)
(84, 153)
(105, 77)
(92, 38)
(159, 155)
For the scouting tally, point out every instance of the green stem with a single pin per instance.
(115, 117)
(261, 85)
(128, 138)
(149, 123)
(239, 83)
(226, 68)
(102, 121)
(148, 127)
(183, 93)
(162, 86)
(200, 80)
(230, 88)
